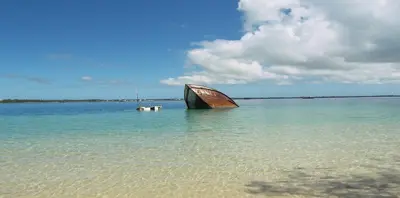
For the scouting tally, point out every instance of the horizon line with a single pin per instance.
(235, 98)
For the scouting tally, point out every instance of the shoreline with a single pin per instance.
(8, 101)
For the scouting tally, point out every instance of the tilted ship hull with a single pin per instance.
(202, 97)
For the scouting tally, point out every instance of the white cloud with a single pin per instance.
(86, 78)
(353, 41)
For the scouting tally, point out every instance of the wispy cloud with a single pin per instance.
(34, 79)
(114, 82)
(86, 78)
(91, 80)
(177, 25)
(59, 56)
(118, 82)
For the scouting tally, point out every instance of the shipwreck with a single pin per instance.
(202, 97)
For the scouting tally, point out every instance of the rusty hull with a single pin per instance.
(202, 97)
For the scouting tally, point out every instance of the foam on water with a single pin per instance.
(303, 148)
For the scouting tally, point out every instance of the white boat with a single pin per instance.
(149, 108)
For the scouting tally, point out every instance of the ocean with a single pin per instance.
(264, 148)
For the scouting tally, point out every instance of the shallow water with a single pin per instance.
(273, 148)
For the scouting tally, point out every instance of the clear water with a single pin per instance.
(264, 148)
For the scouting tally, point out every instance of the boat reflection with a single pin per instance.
(207, 119)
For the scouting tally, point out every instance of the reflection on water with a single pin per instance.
(191, 114)
(208, 119)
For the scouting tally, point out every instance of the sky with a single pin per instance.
(104, 49)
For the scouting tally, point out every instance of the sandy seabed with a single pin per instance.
(293, 161)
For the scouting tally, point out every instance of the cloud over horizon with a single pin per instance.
(115, 82)
(33, 79)
(304, 40)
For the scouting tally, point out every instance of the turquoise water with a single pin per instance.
(273, 148)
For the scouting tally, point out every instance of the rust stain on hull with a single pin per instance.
(202, 97)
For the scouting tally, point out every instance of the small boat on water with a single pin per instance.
(144, 108)
(202, 97)
(150, 108)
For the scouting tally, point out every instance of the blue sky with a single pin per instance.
(104, 49)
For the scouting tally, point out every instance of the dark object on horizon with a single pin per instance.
(202, 97)
(307, 97)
